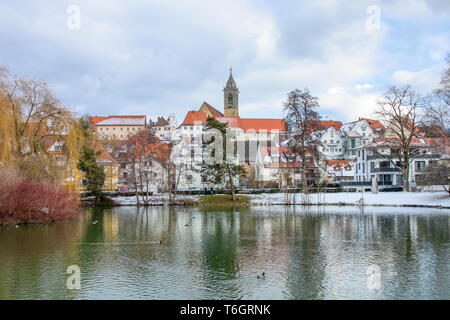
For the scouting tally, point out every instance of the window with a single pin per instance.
(123, 166)
(121, 129)
(189, 178)
(230, 99)
(420, 165)
(204, 179)
(125, 175)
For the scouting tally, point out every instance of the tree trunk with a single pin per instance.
(406, 171)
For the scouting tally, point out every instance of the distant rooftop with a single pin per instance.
(127, 120)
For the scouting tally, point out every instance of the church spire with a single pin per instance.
(231, 84)
(231, 96)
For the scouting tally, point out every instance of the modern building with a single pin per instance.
(377, 161)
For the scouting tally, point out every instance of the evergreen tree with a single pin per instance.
(222, 172)
(87, 163)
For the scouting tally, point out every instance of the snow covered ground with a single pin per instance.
(352, 198)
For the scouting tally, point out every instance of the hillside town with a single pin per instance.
(353, 155)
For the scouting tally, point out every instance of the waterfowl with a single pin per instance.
(95, 222)
(160, 241)
(261, 276)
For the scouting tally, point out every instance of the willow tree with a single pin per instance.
(73, 142)
(33, 112)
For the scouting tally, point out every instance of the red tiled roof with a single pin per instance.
(126, 116)
(150, 145)
(415, 142)
(194, 116)
(216, 113)
(434, 132)
(374, 124)
(339, 162)
(161, 122)
(254, 124)
(96, 120)
(104, 155)
(441, 145)
(325, 124)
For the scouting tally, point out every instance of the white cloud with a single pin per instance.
(425, 80)
(158, 56)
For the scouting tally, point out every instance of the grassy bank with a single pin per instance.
(224, 200)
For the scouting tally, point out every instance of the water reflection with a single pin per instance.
(306, 253)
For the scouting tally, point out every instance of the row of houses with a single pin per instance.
(354, 152)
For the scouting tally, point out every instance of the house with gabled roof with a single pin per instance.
(359, 133)
(165, 129)
(74, 178)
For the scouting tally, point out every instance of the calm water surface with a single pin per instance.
(326, 253)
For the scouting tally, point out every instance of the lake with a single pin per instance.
(306, 253)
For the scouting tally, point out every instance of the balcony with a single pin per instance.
(384, 169)
(387, 156)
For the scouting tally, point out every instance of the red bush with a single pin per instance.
(25, 201)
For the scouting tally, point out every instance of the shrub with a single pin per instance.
(26, 201)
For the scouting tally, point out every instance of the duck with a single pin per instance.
(95, 222)
(261, 276)
(160, 241)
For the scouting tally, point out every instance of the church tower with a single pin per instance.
(230, 98)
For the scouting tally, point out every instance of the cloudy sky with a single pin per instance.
(162, 56)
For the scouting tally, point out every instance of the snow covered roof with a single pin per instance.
(123, 121)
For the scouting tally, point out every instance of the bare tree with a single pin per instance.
(436, 110)
(444, 90)
(398, 111)
(436, 174)
(143, 156)
(301, 117)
